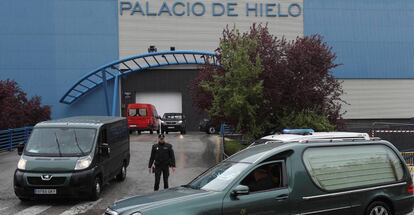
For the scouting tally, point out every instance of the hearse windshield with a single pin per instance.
(218, 177)
(60, 142)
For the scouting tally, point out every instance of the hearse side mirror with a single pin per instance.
(105, 150)
(20, 148)
(240, 190)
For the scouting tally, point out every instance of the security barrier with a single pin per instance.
(10, 138)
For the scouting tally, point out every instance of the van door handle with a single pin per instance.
(282, 197)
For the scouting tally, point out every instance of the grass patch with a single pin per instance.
(232, 146)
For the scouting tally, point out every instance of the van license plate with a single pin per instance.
(132, 126)
(171, 127)
(45, 191)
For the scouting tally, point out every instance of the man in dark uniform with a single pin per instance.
(162, 158)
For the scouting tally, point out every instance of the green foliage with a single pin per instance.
(268, 83)
(238, 93)
(306, 119)
(233, 146)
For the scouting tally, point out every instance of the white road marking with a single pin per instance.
(2, 209)
(37, 209)
(80, 208)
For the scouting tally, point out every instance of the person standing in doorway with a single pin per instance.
(162, 158)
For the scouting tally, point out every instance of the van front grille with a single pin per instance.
(39, 182)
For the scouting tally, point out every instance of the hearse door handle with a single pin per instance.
(282, 197)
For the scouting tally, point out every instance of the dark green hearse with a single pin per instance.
(72, 157)
(363, 177)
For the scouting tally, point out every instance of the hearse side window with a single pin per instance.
(265, 177)
(333, 168)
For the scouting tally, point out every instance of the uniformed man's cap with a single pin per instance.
(161, 136)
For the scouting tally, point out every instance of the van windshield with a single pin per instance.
(60, 142)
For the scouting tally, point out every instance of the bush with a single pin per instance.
(16, 110)
(232, 147)
(306, 119)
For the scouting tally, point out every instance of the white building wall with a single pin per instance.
(137, 32)
(378, 98)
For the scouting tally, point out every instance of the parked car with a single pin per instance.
(143, 117)
(72, 157)
(173, 122)
(363, 177)
(208, 126)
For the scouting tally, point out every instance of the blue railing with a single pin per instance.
(10, 138)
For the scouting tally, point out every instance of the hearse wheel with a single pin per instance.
(378, 208)
(122, 174)
(24, 199)
(96, 189)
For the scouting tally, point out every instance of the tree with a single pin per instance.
(295, 78)
(16, 110)
(237, 93)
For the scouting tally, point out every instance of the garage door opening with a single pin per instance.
(164, 102)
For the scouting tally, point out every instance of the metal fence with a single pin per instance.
(10, 138)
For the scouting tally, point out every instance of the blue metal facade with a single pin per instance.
(372, 38)
(46, 45)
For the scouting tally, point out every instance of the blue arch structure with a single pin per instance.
(128, 65)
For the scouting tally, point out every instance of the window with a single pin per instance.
(173, 116)
(265, 177)
(218, 177)
(333, 168)
(137, 112)
(61, 142)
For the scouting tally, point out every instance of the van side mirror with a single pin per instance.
(20, 148)
(240, 190)
(105, 150)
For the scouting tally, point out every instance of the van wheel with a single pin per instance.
(96, 189)
(151, 131)
(378, 208)
(139, 132)
(211, 130)
(158, 131)
(122, 174)
(166, 132)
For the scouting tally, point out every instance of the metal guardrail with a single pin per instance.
(10, 138)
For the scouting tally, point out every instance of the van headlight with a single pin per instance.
(22, 164)
(180, 122)
(83, 163)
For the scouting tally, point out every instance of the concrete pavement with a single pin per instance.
(194, 154)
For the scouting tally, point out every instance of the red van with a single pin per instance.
(143, 117)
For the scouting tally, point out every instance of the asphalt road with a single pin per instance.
(194, 154)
